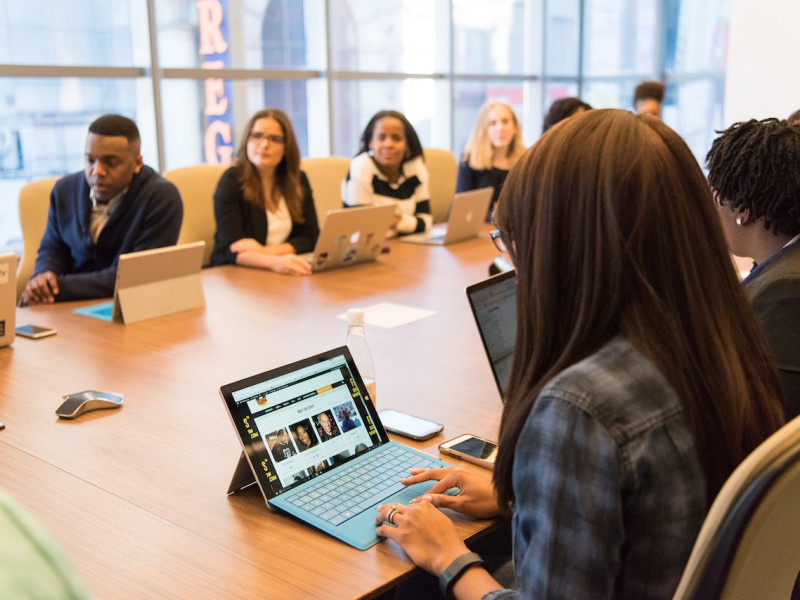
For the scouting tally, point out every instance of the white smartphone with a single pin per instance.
(34, 331)
(408, 425)
(471, 448)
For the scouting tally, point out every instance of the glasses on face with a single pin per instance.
(499, 242)
(258, 137)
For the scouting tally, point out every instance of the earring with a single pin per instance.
(370, 152)
(738, 220)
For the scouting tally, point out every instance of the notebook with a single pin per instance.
(8, 297)
(351, 236)
(467, 213)
(494, 306)
(313, 442)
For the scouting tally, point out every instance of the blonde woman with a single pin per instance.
(493, 147)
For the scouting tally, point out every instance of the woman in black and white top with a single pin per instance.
(389, 169)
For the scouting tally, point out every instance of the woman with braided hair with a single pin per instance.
(754, 171)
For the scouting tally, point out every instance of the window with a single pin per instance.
(331, 64)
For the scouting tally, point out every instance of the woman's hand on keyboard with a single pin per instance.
(475, 498)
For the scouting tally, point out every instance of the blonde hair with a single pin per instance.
(478, 152)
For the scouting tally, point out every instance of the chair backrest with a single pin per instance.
(33, 204)
(443, 172)
(325, 176)
(196, 185)
(749, 545)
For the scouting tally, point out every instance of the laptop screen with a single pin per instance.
(494, 306)
(300, 420)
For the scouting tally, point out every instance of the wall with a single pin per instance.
(763, 78)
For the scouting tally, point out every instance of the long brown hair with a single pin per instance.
(613, 229)
(287, 173)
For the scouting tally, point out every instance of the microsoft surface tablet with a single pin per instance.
(313, 442)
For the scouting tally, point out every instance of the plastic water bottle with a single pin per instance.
(357, 343)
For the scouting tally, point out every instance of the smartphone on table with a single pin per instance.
(34, 331)
(471, 448)
(409, 425)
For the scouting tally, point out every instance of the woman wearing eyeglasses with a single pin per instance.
(263, 204)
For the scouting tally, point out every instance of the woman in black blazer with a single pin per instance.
(263, 203)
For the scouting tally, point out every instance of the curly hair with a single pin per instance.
(756, 165)
(649, 90)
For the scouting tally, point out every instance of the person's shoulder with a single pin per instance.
(783, 271)
(361, 162)
(70, 184)
(619, 387)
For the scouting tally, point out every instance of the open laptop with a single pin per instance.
(310, 436)
(351, 236)
(467, 214)
(8, 297)
(494, 306)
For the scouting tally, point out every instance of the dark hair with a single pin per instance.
(412, 140)
(794, 118)
(756, 165)
(287, 173)
(612, 228)
(115, 125)
(649, 90)
(561, 109)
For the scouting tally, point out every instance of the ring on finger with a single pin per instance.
(391, 513)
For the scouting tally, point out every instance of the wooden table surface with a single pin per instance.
(137, 496)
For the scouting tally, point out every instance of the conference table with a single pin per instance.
(137, 496)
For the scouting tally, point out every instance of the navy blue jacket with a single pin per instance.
(148, 216)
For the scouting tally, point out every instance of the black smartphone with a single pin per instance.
(34, 331)
(471, 448)
(408, 425)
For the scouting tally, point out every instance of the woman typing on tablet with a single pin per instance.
(640, 377)
(263, 204)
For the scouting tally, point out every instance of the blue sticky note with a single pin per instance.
(100, 311)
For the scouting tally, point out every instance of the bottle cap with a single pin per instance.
(355, 316)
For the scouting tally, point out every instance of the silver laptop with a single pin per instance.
(351, 236)
(494, 306)
(313, 442)
(467, 214)
(8, 297)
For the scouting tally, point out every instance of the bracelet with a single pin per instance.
(456, 569)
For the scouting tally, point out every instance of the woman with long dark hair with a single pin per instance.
(263, 204)
(640, 377)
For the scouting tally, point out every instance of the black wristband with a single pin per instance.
(456, 569)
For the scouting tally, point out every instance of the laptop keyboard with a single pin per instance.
(357, 487)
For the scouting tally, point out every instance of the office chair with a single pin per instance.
(196, 185)
(749, 544)
(443, 172)
(325, 175)
(33, 206)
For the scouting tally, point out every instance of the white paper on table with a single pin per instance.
(390, 315)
